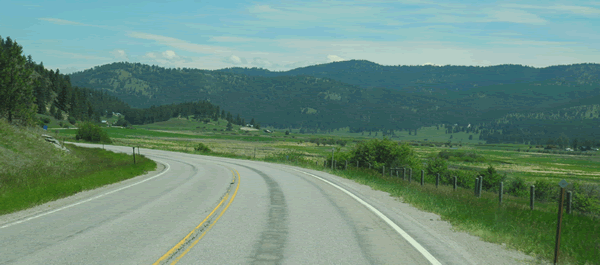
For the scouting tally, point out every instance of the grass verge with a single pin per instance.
(46, 181)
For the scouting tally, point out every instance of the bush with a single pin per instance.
(435, 166)
(121, 122)
(545, 190)
(517, 187)
(491, 179)
(384, 153)
(72, 120)
(202, 148)
(45, 120)
(93, 133)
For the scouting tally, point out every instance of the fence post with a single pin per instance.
(133, 155)
(531, 196)
(346, 165)
(369, 165)
(476, 185)
(332, 149)
(409, 175)
(383, 172)
(254, 152)
(480, 186)
(422, 177)
(500, 193)
(356, 164)
(569, 202)
(403, 173)
(397, 172)
(437, 180)
(454, 182)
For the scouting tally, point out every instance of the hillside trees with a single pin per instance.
(16, 84)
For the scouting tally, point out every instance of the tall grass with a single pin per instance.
(45, 181)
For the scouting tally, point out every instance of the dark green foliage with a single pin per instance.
(287, 132)
(465, 156)
(517, 187)
(16, 84)
(121, 122)
(72, 120)
(229, 126)
(202, 148)
(436, 165)
(491, 178)
(384, 153)
(546, 190)
(91, 132)
(45, 120)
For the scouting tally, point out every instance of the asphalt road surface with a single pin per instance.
(210, 210)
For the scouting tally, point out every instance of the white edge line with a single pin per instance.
(406, 236)
(90, 199)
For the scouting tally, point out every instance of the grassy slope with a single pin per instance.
(33, 171)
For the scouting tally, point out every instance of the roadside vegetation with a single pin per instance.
(33, 171)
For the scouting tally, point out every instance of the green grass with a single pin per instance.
(46, 182)
(33, 171)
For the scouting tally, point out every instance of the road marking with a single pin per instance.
(406, 236)
(184, 240)
(91, 199)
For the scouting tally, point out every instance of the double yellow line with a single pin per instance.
(176, 248)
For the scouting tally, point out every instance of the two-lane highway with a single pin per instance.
(210, 210)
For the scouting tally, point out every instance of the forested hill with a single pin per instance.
(367, 74)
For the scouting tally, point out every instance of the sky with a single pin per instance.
(283, 35)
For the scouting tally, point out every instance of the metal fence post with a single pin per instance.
(531, 196)
(422, 177)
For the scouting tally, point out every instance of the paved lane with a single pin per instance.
(279, 215)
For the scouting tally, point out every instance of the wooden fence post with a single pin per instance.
(531, 196)
(133, 155)
(480, 186)
(437, 180)
(409, 175)
(500, 193)
(569, 202)
(455, 182)
(476, 185)
(422, 177)
(383, 172)
(346, 165)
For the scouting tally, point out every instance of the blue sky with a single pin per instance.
(282, 35)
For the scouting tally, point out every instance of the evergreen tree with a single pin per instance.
(16, 85)
(229, 126)
(252, 122)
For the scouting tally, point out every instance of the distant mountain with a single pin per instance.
(400, 97)
(367, 74)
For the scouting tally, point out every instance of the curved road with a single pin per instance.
(210, 210)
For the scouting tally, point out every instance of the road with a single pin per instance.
(210, 210)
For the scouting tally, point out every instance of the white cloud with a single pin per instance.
(170, 55)
(515, 16)
(120, 55)
(235, 60)
(61, 21)
(580, 10)
(150, 55)
(334, 58)
(180, 44)
(232, 39)
(262, 9)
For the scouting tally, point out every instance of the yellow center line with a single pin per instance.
(184, 240)
(211, 225)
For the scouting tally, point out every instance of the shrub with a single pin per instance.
(491, 178)
(517, 187)
(72, 120)
(202, 148)
(461, 156)
(122, 122)
(545, 190)
(436, 165)
(45, 120)
(93, 133)
(383, 152)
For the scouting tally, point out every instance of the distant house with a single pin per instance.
(103, 121)
(569, 149)
(268, 131)
(250, 125)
